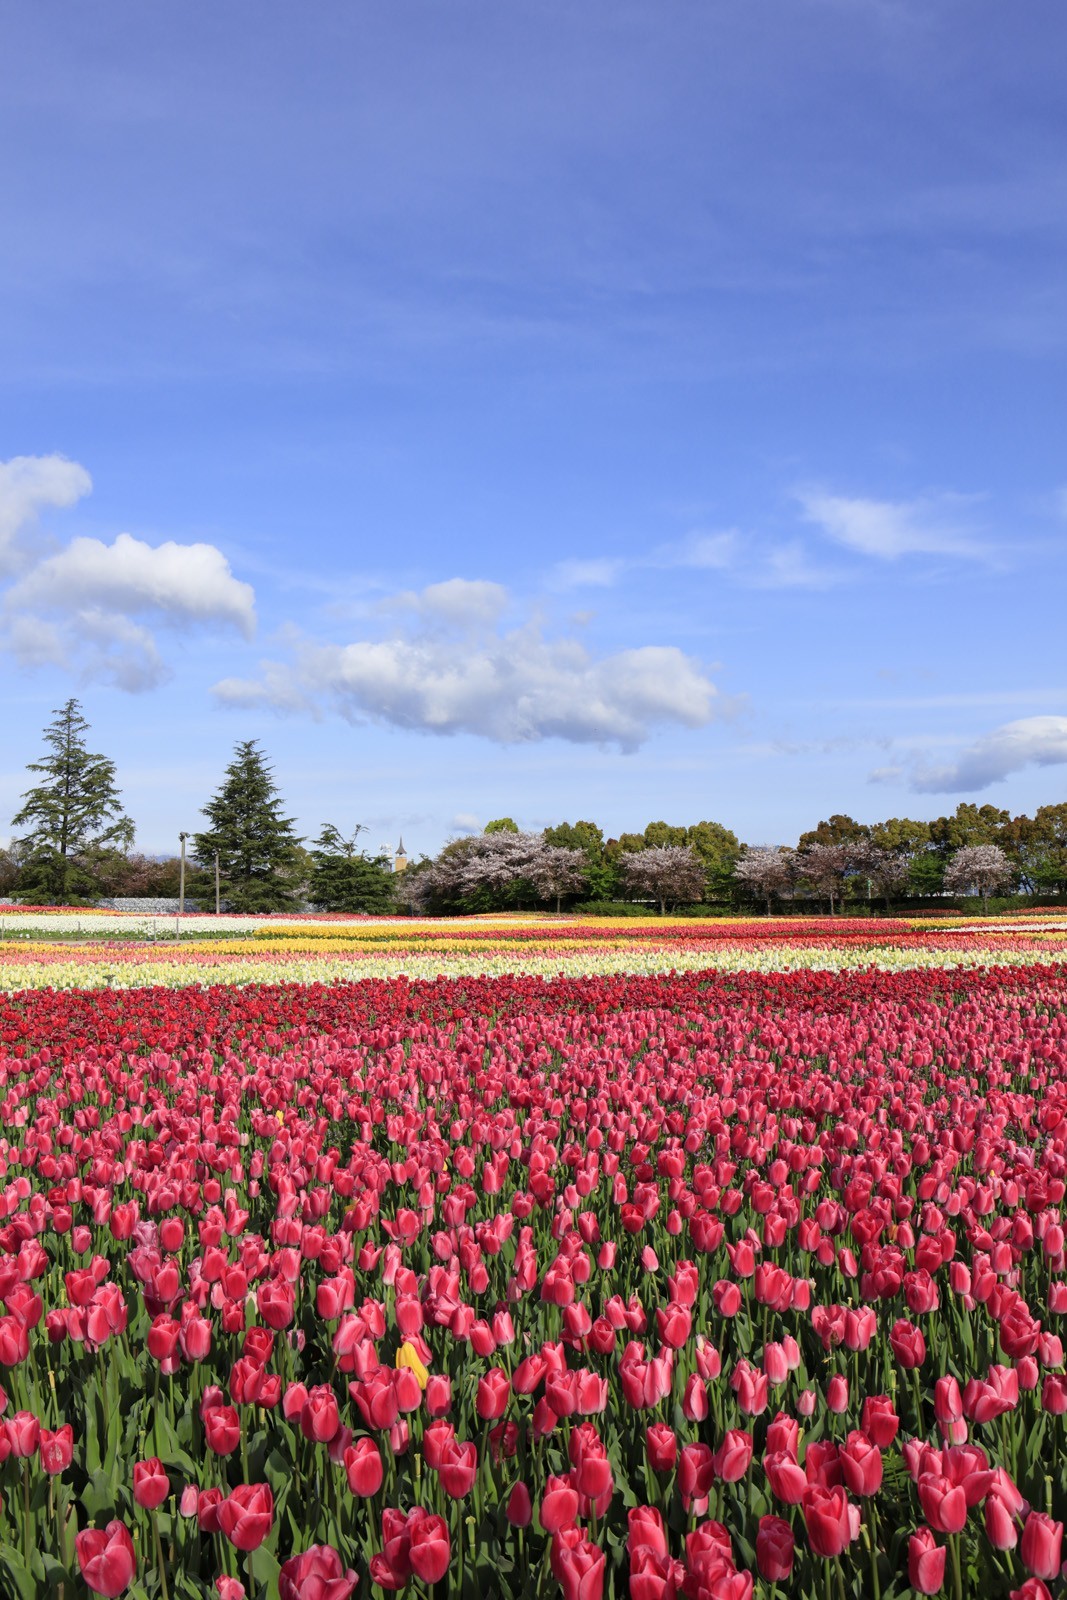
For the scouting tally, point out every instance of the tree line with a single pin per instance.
(73, 843)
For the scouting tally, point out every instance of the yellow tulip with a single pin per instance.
(408, 1356)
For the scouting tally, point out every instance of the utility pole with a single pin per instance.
(181, 877)
(216, 883)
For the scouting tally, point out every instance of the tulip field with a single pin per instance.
(534, 1258)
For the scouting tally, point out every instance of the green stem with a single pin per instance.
(159, 1556)
(957, 1576)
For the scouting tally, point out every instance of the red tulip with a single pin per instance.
(774, 1549)
(319, 1416)
(645, 1527)
(364, 1468)
(696, 1474)
(494, 1391)
(247, 1515)
(861, 1465)
(879, 1420)
(907, 1344)
(578, 1565)
(519, 1507)
(837, 1394)
(1042, 1545)
(106, 1558)
(788, 1481)
(662, 1447)
(944, 1503)
(151, 1486)
(22, 1432)
(57, 1449)
(222, 1430)
(208, 1507)
(826, 1517)
(734, 1455)
(318, 1574)
(559, 1505)
(926, 1562)
(1000, 1524)
(429, 1549)
(458, 1469)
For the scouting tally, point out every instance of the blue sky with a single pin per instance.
(616, 410)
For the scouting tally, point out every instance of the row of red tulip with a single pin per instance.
(503, 1286)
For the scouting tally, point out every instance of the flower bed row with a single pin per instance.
(691, 1285)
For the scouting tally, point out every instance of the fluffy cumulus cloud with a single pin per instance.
(93, 606)
(890, 529)
(28, 486)
(1031, 741)
(458, 671)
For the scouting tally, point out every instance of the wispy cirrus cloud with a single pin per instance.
(698, 551)
(886, 530)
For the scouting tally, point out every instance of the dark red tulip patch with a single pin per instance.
(697, 1286)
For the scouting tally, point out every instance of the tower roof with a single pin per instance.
(400, 849)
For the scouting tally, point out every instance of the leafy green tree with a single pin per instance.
(1037, 849)
(663, 833)
(719, 849)
(577, 836)
(259, 853)
(502, 825)
(838, 829)
(926, 874)
(601, 874)
(345, 878)
(971, 825)
(73, 820)
(9, 871)
(901, 836)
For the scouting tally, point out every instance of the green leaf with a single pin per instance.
(15, 1567)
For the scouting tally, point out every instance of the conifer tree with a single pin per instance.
(74, 821)
(345, 878)
(259, 853)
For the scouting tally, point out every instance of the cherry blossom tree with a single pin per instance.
(499, 864)
(767, 871)
(978, 869)
(558, 871)
(825, 867)
(666, 872)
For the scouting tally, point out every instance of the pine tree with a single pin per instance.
(74, 821)
(259, 853)
(347, 879)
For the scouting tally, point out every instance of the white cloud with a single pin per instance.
(598, 572)
(708, 552)
(788, 567)
(457, 602)
(28, 486)
(509, 686)
(1031, 741)
(89, 606)
(182, 582)
(712, 552)
(889, 529)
